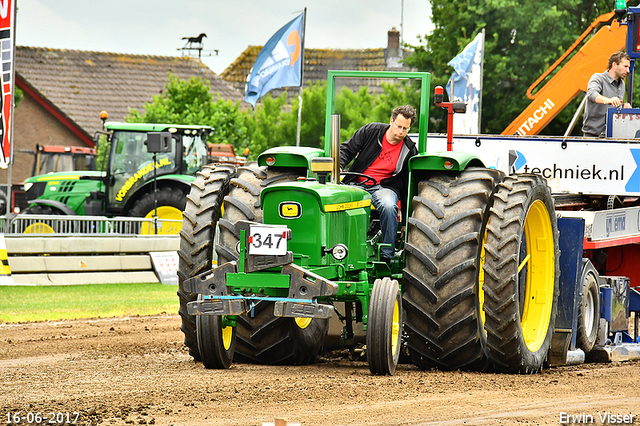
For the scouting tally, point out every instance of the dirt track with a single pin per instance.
(137, 371)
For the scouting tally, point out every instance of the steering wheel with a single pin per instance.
(366, 178)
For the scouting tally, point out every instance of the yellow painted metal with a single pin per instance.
(540, 276)
(227, 336)
(483, 255)
(164, 212)
(322, 164)
(395, 329)
(524, 263)
(45, 178)
(290, 210)
(347, 206)
(38, 228)
(302, 322)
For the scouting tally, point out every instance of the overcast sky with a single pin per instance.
(157, 27)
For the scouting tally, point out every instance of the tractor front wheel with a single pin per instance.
(384, 327)
(216, 341)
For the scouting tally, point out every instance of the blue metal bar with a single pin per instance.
(267, 298)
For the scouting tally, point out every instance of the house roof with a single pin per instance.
(77, 84)
(318, 61)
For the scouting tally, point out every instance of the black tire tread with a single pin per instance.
(586, 339)
(440, 295)
(196, 239)
(211, 345)
(507, 350)
(381, 360)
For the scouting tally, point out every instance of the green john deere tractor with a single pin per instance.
(126, 187)
(473, 283)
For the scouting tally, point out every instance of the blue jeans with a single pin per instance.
(385, 201)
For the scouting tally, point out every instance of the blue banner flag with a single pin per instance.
(279, 63)
(467, 85)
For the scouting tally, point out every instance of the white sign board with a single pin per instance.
(570, 165)
(165, 263)
(268, 240)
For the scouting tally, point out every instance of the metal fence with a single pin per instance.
(30, 224)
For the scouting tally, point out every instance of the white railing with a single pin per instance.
(42, 225)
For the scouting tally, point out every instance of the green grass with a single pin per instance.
(50, 303)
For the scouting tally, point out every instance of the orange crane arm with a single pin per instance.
(571, 79)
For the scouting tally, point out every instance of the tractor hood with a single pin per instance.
(78, 175)
(330, 197)
(320, 216)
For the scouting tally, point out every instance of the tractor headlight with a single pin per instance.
(339, 251)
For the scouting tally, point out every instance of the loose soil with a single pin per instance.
(136, 370)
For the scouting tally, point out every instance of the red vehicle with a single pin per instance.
(224, 153)
(49, 159)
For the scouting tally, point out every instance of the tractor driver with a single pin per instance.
(382, 151)
(604, 90)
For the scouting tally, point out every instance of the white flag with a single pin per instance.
(467, 79)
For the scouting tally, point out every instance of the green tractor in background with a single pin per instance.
(292, 248)
(126, 187)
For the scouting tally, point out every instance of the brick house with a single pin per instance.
(65, 90)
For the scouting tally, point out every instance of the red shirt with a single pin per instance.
(384, 166)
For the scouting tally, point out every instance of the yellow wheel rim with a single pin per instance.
(483, 255)
(303, 322)
(38, 228)
(164, 212)
(540, 276)
(227, 335)
(395, 329)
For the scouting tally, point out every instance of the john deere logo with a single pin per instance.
(290, 210)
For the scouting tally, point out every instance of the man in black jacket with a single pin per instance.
(382, 151)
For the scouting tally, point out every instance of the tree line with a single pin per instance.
(523, 38)
(274, 120)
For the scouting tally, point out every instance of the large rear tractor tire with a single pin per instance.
(588, 308)
(196, 239)
(521, 274)
(442, 291)
(384, 327)
(262, 337)
(171, 203)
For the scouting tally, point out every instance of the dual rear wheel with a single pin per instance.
(481, 274)
(521, 274)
